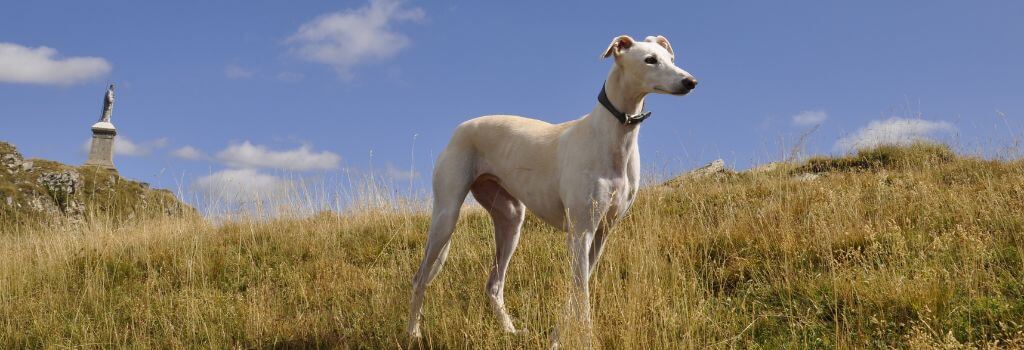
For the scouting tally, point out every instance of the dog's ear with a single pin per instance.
(619, 44)
(660, 40)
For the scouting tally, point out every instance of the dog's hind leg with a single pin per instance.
(507, 213)
(453, 175)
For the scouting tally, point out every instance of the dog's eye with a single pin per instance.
(651, 60)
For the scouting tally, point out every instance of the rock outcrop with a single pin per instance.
(764, 168)
(41, 190)
(715, 168)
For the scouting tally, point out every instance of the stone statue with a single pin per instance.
(108, 104)
(101, 151)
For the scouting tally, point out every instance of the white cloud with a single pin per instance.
(400, 174)
(810, 117)
(897, 131)
(20, 64)
(126, 147)
(346, 38)
(241, 185)
(248, 155)
(189, 152)
(123, 146)
(237, 72)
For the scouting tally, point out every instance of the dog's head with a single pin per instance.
(651, 63)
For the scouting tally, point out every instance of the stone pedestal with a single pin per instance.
(101, 152)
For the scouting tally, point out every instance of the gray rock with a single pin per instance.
(807, 177)
(764, 168)
(62, 186)
(715, 168)
(12, 162)
(43, 205)
(63, 182)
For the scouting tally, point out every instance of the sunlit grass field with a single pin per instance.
(908, 247)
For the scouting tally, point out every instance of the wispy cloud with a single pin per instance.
(189, 152)
(896, 131)
(124, 146)
(237, 72)
(289, 77)
(810, 117)
(347, 38)
(241, 185)
(248, 155)
(395, 173)
(40, 65)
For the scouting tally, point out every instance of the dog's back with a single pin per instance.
(528, 150)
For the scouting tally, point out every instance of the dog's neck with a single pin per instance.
(624, 96)
(628, 99)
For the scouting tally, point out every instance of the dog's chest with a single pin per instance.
(622, 191)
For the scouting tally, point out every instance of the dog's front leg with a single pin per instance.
(583, 226)
(579, 251)
(576, 330)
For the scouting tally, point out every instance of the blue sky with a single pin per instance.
(259, 92)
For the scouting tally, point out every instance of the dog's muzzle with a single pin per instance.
(687, 85)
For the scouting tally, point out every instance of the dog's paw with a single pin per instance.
(553, 339)
(414, 333)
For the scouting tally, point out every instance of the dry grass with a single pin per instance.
(918, 250)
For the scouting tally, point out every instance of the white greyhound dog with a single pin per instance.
(580, 176)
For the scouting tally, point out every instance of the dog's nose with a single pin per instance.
(689, 83)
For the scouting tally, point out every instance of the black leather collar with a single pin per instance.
(623, 118)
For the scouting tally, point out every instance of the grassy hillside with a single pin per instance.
(894, 247)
